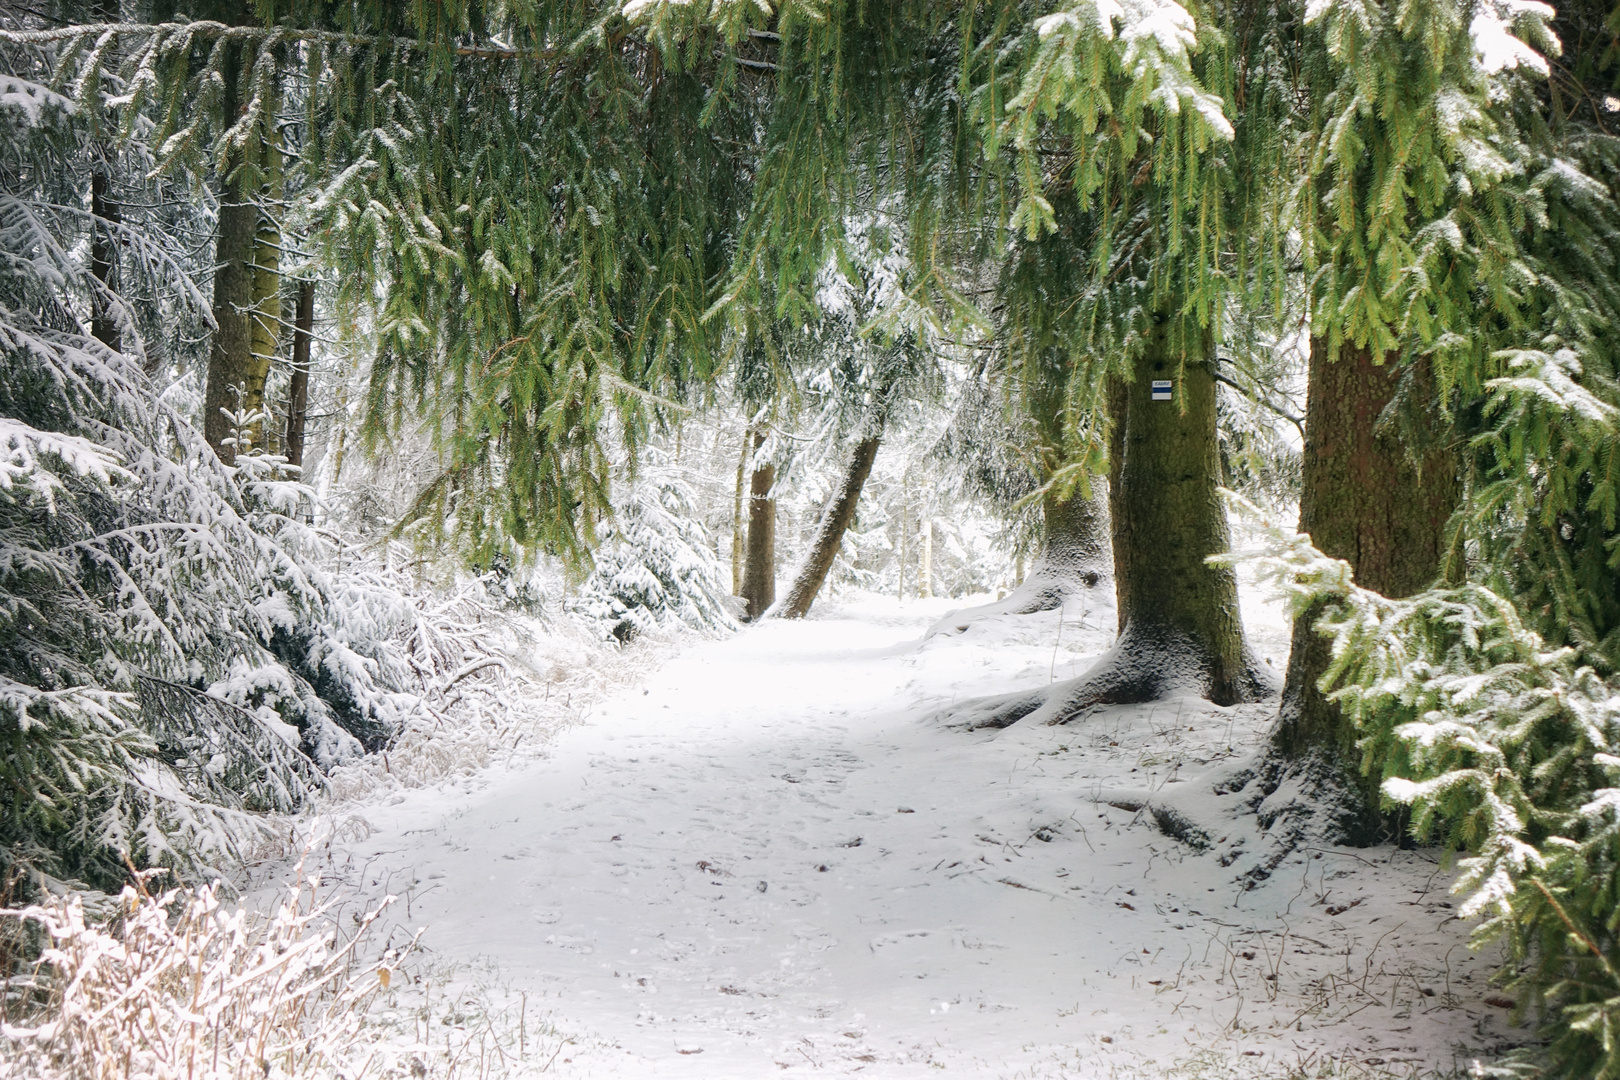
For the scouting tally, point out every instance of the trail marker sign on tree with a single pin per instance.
(1161, 389)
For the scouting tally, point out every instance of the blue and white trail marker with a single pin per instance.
(1161, 389)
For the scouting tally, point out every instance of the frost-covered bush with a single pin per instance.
(183, 985)
(656, 569)
(1508, 748)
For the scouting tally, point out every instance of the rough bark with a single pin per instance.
(264, 334)
(1178, 616)
(1076, 557)
(759, 565)
(298, 385)
(104, 213)
(230, 350)
(835, 521)
(1180, 627)
(1368, 499)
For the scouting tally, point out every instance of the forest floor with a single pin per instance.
(763, 859)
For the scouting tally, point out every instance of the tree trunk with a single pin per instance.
(1076, 556)
(925, 565)
(1368, 499)
(759, 569)
(905, 524)
(737, 517)
(1076, 552)
(298, 386)
(264, 337)
(1180, 628)
(230, 351)
(1119, 398)
(835, 520)
(103, 214)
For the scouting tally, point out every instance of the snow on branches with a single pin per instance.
(1502, 745)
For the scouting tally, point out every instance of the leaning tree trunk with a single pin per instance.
(835, 521)
(759, 564)
(1381, 506)
(1180, 628)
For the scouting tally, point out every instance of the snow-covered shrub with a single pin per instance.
(183, 985)
(125, 548)
(485, 681)
(656, 569)
(170, 655)
(1506, 747)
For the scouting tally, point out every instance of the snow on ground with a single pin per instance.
(763, 859)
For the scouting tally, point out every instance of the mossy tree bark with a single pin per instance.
(759, 565)
(230, 350)
(1180, 630)
(835, 520)
(247, 280)
(1382, 506)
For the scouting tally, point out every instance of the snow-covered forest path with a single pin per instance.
(762, 860)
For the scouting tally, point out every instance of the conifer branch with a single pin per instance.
(208, 29)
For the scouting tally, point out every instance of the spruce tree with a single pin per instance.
(1400, 135)
(1145, 200)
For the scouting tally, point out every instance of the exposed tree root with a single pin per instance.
(1292, 804)
(1142, 666)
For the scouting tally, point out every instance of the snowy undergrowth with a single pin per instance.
(293, 982)
(183, 985)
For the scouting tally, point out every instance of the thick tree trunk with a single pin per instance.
(1076, 548)
(835, 520)
(1180, 626)
(1368, 499)
(1076, 557)
(759, 567)
(264, 336)
(231, 349)
(298, 385)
